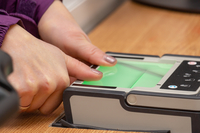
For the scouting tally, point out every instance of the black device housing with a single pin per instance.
(108, 93)
(195, 115)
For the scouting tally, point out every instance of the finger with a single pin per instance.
(72, 79)
(84, 50)
(26, 95)
(25, 103)
(81, 71)
(52, 102)
(62, 31)
(95, 56)
(45, 90)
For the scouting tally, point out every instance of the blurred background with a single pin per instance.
(88, 13)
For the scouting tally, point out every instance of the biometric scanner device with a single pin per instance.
(140, 93)
(9, 100)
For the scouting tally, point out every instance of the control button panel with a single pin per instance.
(186, 77)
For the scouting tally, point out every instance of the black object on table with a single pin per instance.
(9, 100)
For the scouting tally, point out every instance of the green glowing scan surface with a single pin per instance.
(130, 74)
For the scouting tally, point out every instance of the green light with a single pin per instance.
(130, 74)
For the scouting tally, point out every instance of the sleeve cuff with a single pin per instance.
(5, 23)
(41, 9)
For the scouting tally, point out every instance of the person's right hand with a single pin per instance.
(41, 70)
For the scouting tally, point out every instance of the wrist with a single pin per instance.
(6, 21)
(57, 24)
(15, 37)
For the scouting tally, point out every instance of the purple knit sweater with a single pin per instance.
(27, 13)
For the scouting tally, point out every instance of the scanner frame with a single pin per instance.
(125, 109)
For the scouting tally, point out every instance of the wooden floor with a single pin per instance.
(132, 28)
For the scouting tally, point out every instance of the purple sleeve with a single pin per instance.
(5, 22)
(33, 8)
(43, 5)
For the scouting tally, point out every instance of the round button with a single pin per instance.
(172, 86)
(131, 99)
(192, 63)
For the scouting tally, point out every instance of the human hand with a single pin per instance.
(41, 70)
(58, 27)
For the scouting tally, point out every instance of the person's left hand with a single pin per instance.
(41, 71)
(58, 27)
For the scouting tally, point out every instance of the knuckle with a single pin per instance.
(64, 82)
(77, 35)
(77, 65)
(47, 85)
(92, 52)
(28, 88)
(24, 85)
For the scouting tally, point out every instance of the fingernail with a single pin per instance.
(109, 59)
(96, 71)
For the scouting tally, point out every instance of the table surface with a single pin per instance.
(132, 28)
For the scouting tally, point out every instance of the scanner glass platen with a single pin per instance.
(130, 74)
